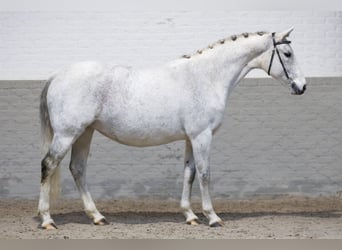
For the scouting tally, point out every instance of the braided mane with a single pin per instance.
(232, 38)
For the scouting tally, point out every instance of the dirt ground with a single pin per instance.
(278, 218)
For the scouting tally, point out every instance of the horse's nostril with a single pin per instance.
(295, 88)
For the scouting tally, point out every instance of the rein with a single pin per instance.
(275, 49)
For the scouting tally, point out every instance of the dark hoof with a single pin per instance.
(217, 224)
(101, 222)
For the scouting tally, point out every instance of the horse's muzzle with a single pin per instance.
(296, 90)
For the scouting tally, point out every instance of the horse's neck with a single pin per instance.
(235, 58)
(226, 64)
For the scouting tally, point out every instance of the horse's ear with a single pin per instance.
(281, 36)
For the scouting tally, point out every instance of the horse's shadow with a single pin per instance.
(131, 218)
(120, 217)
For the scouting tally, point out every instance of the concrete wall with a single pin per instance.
(35, 44)
(271, 143)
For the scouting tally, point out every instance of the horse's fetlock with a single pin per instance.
(205, 212)
(185, 205)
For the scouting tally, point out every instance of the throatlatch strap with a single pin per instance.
(270, 66)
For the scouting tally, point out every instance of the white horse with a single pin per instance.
(182, 100)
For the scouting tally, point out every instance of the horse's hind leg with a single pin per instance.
(50, 173)
(78, 165)
(189, 175)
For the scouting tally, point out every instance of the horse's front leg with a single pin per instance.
(201, 148)
(189, 175)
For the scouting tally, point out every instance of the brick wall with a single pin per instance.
(34, 44)
(271, 143)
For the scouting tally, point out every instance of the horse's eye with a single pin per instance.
(287, 54)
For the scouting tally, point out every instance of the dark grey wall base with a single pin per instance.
(271, 143)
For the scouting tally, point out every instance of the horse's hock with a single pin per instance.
(270, 144)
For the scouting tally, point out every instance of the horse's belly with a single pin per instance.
(140, 134)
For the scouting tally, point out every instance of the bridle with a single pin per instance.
(294, 86)
(275, 49)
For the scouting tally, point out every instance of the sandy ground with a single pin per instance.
(280, 218)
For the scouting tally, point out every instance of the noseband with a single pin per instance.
(275, 49)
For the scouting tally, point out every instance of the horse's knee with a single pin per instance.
(204, 176)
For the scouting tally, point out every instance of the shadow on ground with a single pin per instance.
(135, 218)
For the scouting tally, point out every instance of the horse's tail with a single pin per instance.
(46, 137)
(45, 124)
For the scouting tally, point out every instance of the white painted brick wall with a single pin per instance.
(34, 44)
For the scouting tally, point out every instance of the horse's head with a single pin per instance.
(280, 62)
